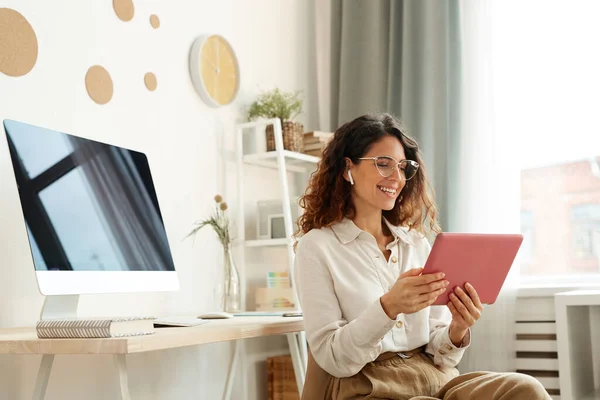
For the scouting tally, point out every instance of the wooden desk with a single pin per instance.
(25, 341)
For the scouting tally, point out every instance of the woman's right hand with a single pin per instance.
(413, 292)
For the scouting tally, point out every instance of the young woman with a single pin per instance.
(371, 329)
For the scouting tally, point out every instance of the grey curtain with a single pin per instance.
(428, 62)
(401, 57)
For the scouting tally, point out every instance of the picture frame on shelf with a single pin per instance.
(270, 222)
(276, 226)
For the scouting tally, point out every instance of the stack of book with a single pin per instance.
(278, 295)
(315, 142)
(278, 279)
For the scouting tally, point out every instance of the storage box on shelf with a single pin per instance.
(281, 382)
(292, 136)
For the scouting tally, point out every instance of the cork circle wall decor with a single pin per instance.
(154, 21)
(99, 84)
(18, 43)
(150, 81)
(124, 9)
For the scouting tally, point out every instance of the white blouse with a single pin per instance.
(341, 273)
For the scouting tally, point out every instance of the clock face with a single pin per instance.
(215, 67)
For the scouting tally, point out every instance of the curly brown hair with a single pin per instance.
(327, 198)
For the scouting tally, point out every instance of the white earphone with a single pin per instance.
(350, 177)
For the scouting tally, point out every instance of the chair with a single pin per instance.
(316, 382)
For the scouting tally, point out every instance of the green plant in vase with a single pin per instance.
(283, 105)
(219, 221)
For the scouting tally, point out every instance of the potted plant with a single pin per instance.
(231, 300)
(283, 105)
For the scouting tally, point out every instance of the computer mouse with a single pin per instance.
(216, 315)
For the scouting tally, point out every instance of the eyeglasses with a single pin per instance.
(387, 165)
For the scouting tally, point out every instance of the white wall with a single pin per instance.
(183, 139)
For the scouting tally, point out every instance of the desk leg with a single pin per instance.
(121, 363)
(41, 383)
(303, 349)
(296, 360)
(232, 371)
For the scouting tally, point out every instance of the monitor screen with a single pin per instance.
(88, 206)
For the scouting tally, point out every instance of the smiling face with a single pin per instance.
(330, 197)
(372, 192)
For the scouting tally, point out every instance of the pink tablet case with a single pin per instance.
(483, 260)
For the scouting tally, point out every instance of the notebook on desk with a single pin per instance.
(168, 322)
(71, 328)
(268, 314)
(259, 314)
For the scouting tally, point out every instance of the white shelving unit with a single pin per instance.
(284, 162)
(296, 162)
(266, 242)
(576, 314)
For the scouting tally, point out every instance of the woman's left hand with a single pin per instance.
(466, 309)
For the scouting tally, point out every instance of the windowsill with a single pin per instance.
(550, 289)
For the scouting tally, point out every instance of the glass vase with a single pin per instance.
(231, 301)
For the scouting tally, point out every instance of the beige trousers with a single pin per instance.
(418, 378)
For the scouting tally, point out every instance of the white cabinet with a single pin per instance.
(578, 342)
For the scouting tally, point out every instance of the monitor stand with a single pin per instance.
(63, 306)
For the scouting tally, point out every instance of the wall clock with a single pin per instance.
(214, 70)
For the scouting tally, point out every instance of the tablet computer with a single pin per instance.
(483, 260)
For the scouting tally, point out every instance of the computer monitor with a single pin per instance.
(91, 214)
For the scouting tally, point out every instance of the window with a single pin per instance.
(565, 198)
(585, 226)
(527, 251)
(546, 104)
